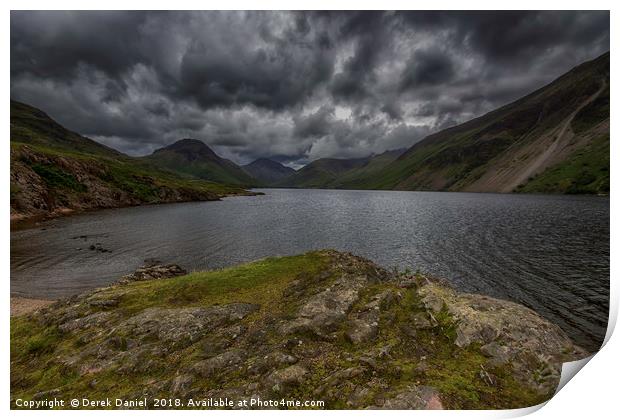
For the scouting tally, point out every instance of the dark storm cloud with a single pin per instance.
(369, 31)
(290, 85)
(427, 68)
(315, 124)
(261, 65)
(510, 35)
(53, 44)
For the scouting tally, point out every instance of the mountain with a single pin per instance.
(194, 158)
(554, 140)
(268, 171)
(321, 172)
(32, 126)
(355, 178)
(56, 171)
(339, 173)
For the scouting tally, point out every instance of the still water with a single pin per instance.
(550, 253)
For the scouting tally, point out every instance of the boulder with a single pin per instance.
(281, 380)
(103, 303)
(183, 326)
(358, 396)
(420, 320)
(217, 364)
(181, 384)
(498, 354)
(154, 270)
(361, 330)
(271, 361)
(326, 310)
(414, 398)
(506, 331)
(337, 378)
(97, 319)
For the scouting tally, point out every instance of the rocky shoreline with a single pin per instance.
(23, 305)
(324, 325)
(26, 220)
(46, 185)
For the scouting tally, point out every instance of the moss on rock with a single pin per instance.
(324, 326)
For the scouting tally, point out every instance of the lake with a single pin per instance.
(550, 253)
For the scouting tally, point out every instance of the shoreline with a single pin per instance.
(25, 305)
(20, 221)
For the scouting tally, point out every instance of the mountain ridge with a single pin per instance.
(194, 158)
(498, 144)
(268, 171)
(334, 172)
(55, 171)
(552, 140)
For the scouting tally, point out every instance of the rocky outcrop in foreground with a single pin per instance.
(324, 326)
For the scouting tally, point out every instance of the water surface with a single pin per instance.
(550, 253)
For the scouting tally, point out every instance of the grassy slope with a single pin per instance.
(340, 173)
(358, 177)
(222, 171)
(585, 171)
(51, 152)
(32, 126)
(34, 347)
(267, 171)
(321, 172)
(455, 372)
(128, 174)
(453, 158)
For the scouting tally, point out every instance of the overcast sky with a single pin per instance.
(293, 86)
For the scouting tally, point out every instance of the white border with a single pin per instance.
(592, 395)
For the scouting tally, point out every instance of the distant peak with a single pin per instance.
(188, 142)
(268, 170)
(190, 149)
(267, 162)
(263, 160)
(188, 145)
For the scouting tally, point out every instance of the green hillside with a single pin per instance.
(34, 127)
(194, 158)
(321, 172)
(268, 171)
(339, 173)
(358, 177)
(56, 171)
(540, 143)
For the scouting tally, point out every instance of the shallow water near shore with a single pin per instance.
(550, 253)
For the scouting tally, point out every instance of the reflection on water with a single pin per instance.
(550, 253)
